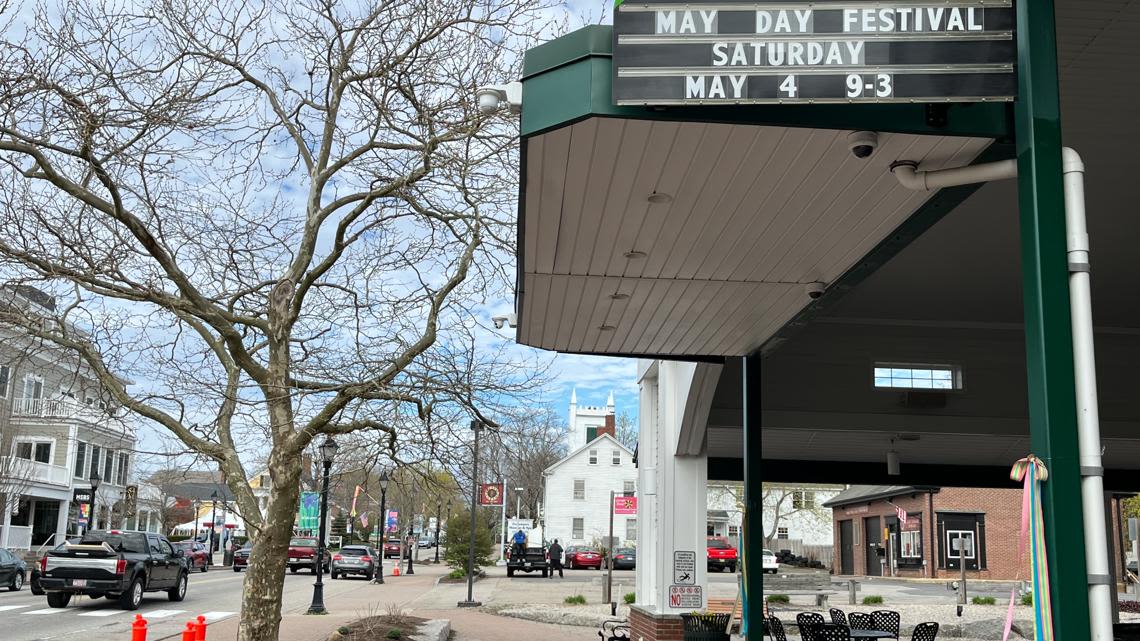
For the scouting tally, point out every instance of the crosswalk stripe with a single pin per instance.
(45, 611)
(5, 608)
(158, 614)
(101, 613)
(213, 616)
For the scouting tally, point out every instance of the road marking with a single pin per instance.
(214, 616)
(101, 613)
(158, 614)
(5, 608)
(47, 611)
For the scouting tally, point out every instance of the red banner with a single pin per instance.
(491, 494)
(625, 505)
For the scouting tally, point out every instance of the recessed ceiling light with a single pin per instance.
(606, 328)
(619, 296)
(634, 254)
(659, 198)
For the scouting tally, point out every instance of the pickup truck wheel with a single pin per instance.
(132, 597)
(237, 569)
(58, 599)
(544, 574)
(178, 592)
(510, 572)
(17, 582)
(205, 567)
(293, 569)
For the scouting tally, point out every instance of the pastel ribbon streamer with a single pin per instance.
(1032, 472)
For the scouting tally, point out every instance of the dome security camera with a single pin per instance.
(815, 290)
(862, 143)
(488, 100)
(504, 319)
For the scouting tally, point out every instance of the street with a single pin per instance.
(216, 595)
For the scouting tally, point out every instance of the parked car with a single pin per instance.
(13, 571)
(535, 559)
(241, 556)
(117, 564)
(303, 554)
(197, 557)
(393, 548)
(770, 563)
(625, 559)
(355, 559)
(581, 556)
(721, 554)
(425, 542)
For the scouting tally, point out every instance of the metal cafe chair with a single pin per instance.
(807, 622)
(837, 616)
(861, 621)
(888, 621)
(831, 632)
(925, 631)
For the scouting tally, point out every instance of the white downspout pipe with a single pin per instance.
(1084, 362)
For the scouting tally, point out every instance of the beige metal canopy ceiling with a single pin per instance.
(744, 217)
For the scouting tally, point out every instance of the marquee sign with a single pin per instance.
(683, 52)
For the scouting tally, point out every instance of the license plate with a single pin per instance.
(79, 583)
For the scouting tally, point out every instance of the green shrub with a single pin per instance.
(984, 600)
(577, 599)
(778, 598)
(1027, 599)
(344, 630)
(874, 599)
(394, 633)
(629, 598)
(457, 573)
(458, 530)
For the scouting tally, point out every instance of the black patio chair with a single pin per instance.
(837, 616)
(861, 621)
(925, 631)
(807, 622)
(888, 621)
(775, 629)
(831, 632)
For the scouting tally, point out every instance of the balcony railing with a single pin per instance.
(67, 409)
(21, 469)
(19, 537)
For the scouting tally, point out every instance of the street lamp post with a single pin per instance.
(438, 519)
(213, 522)
(94, 480)
(411, 542)
(477, 427)
(381, 525)
(518, 501)
(328, 451)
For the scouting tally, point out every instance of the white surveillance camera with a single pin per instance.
(504, 319)
(492, 97)
(488, 100)
(862, 143)
(815, 290)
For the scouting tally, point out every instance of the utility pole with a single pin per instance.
(477, 427)
(438, 519)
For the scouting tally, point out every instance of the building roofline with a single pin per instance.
(571, 455)
(878, 493)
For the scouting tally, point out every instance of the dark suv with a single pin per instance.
(118, 564)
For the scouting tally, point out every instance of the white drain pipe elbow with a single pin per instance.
(909, 176)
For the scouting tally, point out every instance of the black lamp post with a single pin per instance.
(213, 522)
(411, 542)
(95, 480)
(381, 525)
(477, 427)
(328, 451)
(438, 519)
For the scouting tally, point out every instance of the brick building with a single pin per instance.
(871, 540)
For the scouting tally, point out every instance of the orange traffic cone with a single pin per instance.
(396, 570)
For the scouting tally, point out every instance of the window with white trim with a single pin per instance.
(910, 544)
(33, 387)
(124, 465)
(5, 376)
(617, 457)
(593, 457)
(967, 539)
(803, 500)
(39, 451)
(579, 489)
(80, 469)
(782, 533)
(96, 451)
(631, 529)
(109, 467)
(917, 376)
(628, 487)
(578, 528)
(734, 530)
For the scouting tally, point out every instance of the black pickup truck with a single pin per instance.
(533, 560)
(117, 564)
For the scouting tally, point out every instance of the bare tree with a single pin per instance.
(626, 430)
(274, 215)
(784, 503)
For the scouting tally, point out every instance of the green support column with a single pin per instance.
(753, 502)
(1048, 330)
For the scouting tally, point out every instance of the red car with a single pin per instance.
(241, 557)
(197, 555)
(721, 554)
(393, 548)
(303, 555)
(580, 556)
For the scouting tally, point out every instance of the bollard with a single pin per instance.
(851, 587)
(138, 629)
(188, 634)
(200, 629)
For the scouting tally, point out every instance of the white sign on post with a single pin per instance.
(514, 525)
(686, 596)
(684, 567)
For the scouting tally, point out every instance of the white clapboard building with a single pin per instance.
(577, 493)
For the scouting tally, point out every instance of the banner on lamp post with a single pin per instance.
(491, 494)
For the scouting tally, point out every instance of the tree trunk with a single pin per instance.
(265, 578)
